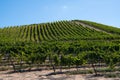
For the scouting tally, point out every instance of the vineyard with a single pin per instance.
(61, 45)
(56, 31)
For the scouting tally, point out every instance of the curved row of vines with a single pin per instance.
(61, 30)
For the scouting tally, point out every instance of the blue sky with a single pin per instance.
(20, 12)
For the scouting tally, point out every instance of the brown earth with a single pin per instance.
(47, 75)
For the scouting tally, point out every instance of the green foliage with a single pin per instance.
(1, 56)
(80, 59)
(111, 59)
(61, 30)
(106, 28)
(56, 59)
(62, 43)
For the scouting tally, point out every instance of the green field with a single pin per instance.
(60, 44)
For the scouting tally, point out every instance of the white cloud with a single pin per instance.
(64, 7)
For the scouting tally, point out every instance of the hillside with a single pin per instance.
(101, 27)
(84, 45)
(59, 31)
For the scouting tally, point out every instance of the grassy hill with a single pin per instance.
(62, 43)
(108, 29)
(59, 31)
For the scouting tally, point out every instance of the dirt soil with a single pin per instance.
(47, 75)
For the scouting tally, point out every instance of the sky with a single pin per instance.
(22, 12)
